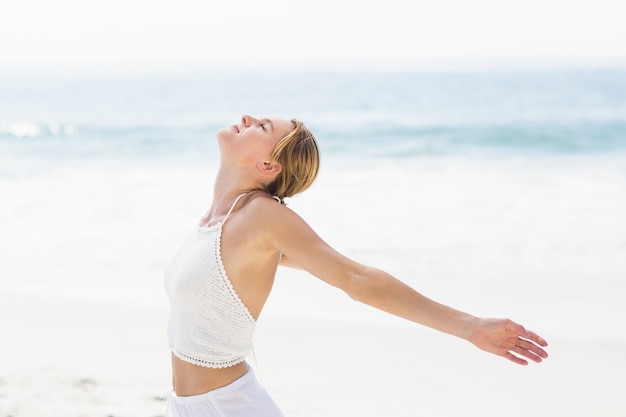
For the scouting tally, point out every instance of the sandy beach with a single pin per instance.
(64, 358)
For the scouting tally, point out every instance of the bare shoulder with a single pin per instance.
(273, 225)
(267, 212)
(281, 229)
(276, 223)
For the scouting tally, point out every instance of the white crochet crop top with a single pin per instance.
(209, 325)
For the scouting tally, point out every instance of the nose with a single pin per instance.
(247, 120)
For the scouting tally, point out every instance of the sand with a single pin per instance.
(66, 358)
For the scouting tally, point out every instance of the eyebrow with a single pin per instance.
(268, 121)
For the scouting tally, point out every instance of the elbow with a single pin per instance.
(363, 284)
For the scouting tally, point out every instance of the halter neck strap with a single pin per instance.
(232, 207)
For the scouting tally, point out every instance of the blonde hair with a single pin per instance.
(299, 155)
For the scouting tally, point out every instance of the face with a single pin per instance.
(252, 140)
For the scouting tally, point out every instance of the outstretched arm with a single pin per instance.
(501, 337)
(304, 249)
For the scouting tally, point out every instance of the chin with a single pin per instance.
(223, 133)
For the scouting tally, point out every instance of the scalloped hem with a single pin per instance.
(208, 364)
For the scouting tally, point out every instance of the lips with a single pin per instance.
(236, 128)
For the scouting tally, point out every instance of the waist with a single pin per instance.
(189, 379)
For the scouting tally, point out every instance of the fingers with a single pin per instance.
(525, 349)
(512, 341)
(534, 337)
(515, 359)
(528, 345)
(523, 353)
(532, 348)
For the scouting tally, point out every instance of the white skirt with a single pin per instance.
(244, 397)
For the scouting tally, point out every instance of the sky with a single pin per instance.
(139, 34)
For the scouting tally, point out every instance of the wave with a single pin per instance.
(578, 137)
(24, 129)
(391, 140)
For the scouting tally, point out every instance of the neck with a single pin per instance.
(228, 185)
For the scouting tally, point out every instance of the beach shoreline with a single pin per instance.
(65, 358)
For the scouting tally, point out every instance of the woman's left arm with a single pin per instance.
(303, 248)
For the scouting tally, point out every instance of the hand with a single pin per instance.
(508, 339)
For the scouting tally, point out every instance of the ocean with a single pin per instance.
(497, 192)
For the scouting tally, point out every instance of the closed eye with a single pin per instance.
(264, 123)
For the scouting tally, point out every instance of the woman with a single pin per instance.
(221, 278)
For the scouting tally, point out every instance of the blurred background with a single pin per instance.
(477, 150)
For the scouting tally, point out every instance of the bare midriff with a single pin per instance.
(189, 379)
